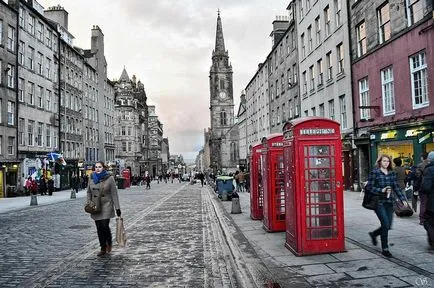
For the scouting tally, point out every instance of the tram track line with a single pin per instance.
(243, 274)
(67, 262)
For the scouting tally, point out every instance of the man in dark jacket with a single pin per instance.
(417, 186)
(427, 188)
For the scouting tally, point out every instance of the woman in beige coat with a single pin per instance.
(101, 180)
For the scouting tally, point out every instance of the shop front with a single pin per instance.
(407, 143)
(10, 184)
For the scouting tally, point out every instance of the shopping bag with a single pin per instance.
(121, 236)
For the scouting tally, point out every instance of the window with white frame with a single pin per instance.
(21, 16)
(289, 78)
(297, 107)
(327, 28)
(365, 112)
(31, 93)
(40, 97)
(300, 5)
(329, 61)
(340, 57)
(11, 145)
(415, 10)
(11, 76)
(419, 80)
(31, 25)
(307, 5)
(30, 132)
(295, 73)
(31, 58)
(48, 36)
(343, 112)
(384, 29)
(40, 128)
(21, 128)
(319, 68)
(48, 136)
(338, 9)
(321, 110)
(332, 109)
(11, 38)
(40, 29)
(313, 109)
(312, 77)
(39, 65)
(304, 83)
(387, 89)
(361, 39)
(48, 100)
(278, 115)
(21, 53)
(11, 113)
(318, 30)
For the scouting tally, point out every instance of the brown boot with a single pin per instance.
(109, 248)
(101, 253)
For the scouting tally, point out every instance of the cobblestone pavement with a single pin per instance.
(174, 240)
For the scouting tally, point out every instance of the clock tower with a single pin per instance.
(221, 97)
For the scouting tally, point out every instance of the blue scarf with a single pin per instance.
(96, 177)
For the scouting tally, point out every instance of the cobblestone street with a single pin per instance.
(173, 241)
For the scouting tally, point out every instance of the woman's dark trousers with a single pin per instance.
(104, 233)
(384, 213)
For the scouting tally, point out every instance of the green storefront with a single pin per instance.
(405, 142)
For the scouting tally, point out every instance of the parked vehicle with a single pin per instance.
(224, 183)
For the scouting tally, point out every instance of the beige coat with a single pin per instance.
(109, 201)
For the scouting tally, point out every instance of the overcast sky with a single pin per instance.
(167, 44)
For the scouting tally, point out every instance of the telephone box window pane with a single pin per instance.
(333, 150)
(319, 150)
(333, 173)
(319, 162)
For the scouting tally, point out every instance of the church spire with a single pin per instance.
(124, 76)
(219, 40)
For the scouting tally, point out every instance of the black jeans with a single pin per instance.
(104, 233)
(429, 226)
(384, 213)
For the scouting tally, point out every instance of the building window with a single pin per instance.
(361, 39)
(295, 73)
(313, 111)
(40, 97)
(383, 15)
(343, 112)
(48, 68)
(40, 34)
(11, 145)
(21, 127)
(31, 93)
(300, 4)
(39, 139)
(11, 113)
(365, 113)
(39, 64)
(304, 83)
(415, 9)
(289, 77)
(320, 72)
(332, 109)
(419, 80)
(21, 52)
(277, 89)
(11, 76)
(318, 30)
(21, 17)
(223, 120)
(303, 47)
(321, 110)
(48, 137)
(31, 58)
(1, 145)
(387, 89)
(1, 105)
(30, 127)
(340, 58)
(329, 66)
(278, 115)
(312, 78)
(31, 23)
(297, 107)
(48, 106)
(309, 38)
(338, 9)
(11, 38)
(327, 21)
(1, 32)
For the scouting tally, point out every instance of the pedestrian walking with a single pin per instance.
(400, 172)
(148, 182)
(417, 186)
(428, 191)
(382, 182)
(102, 182)
(50, 185)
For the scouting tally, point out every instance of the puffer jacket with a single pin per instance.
(428, 186)
(109, 201)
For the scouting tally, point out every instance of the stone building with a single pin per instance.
(224, 134)
(155, 127)
(9, 163)
(242, 130)
(38, 86)
(165, 153)
(392, 56)
(131, 124)
(325, 69)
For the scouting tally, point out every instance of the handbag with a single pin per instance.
(121, 235)
(401, 209)
(94, 207)
(370, 200)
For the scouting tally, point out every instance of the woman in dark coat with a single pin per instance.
(101, 180)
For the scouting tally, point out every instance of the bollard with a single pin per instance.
(73, 194)
(224, 196)
(236, 207)
(33, 200)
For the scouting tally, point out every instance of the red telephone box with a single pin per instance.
(314, 188)
(256, 191)
(272, 166)
(127, 178)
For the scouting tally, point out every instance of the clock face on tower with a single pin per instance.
(222, 95)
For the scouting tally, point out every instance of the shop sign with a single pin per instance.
(412, 132)
(424, 138)
(317, 131)
(372, 136)
(277, 144)
(388, 135)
